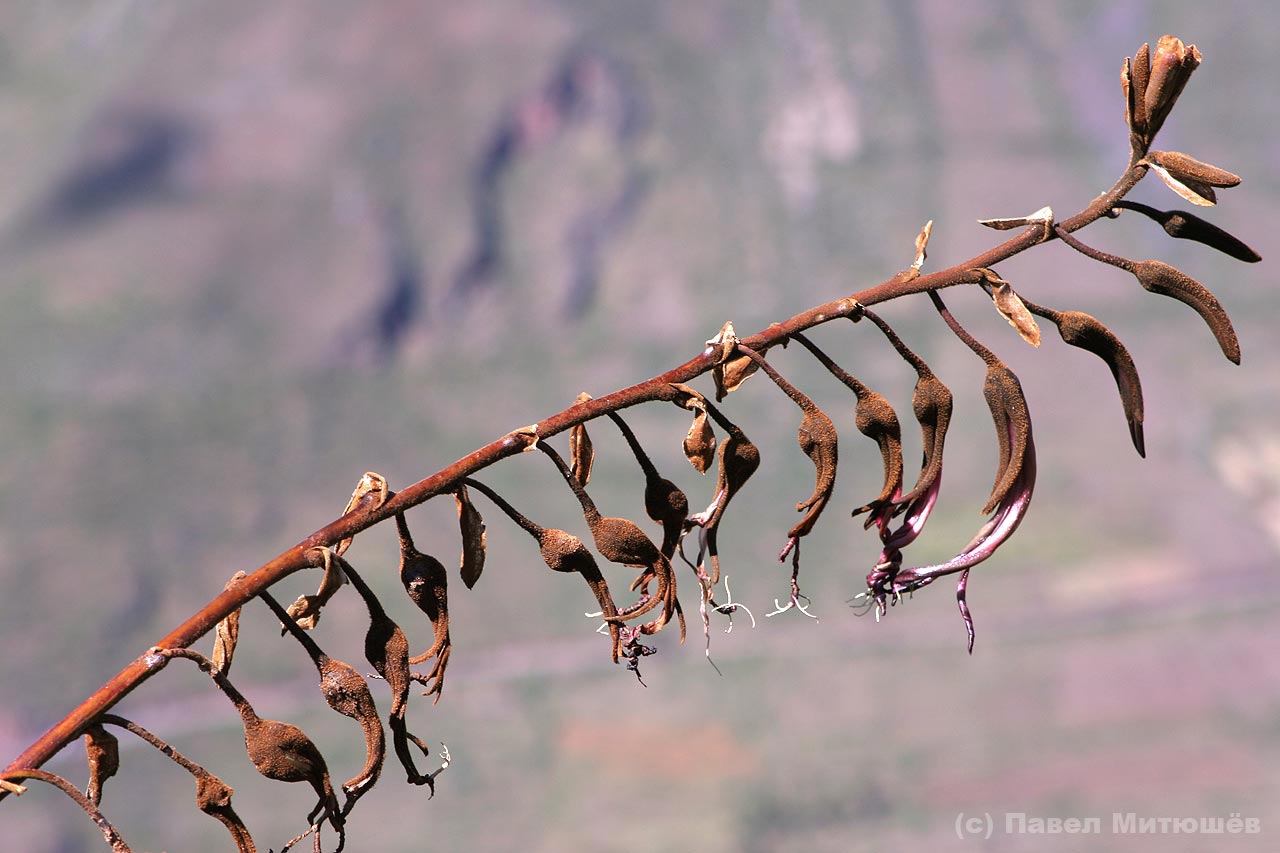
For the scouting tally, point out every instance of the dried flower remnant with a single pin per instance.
(1088, 333)
(371, 492)
(621, 541)
(732, 368)
(1160, 278)
(102, 751)
(1188, 177)
(471, 526)
(875, 419)
(1011, 307)
(213, 796)
(700, 442)
(346, 692)
(664, 502)
(279, 751)
(564, 552)
(227, 631)
(1187, 226)
(427, 583)
(582, 455)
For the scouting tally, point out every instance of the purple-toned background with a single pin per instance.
(251, 251)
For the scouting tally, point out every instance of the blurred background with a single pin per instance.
(251, 251)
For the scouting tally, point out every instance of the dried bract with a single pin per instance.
(370, 493)
(472, 528)
(227, 632)
(732, 368)
(103, 753)
(305, 612)
(581, 454)
(1010, 306)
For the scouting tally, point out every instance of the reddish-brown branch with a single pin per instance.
(446, 480)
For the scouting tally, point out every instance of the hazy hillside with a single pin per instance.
(252, 250)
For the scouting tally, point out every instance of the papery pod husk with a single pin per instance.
(472, 528)
(732, 373)
(700, 443)
(1187, 226)
(1160, 278)
(581, 454)
(227, 632)
(305, 611)
(1010, 306)
(1008, 406)
(1190, 178)
(102, 750)
(371, 483)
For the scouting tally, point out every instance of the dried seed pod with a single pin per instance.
(931, 404)
(103, 753)
(305, 612)
(346, 692)
(1008, 406)
(1159, 277)
(472, 528)
(664, 502)
(371, 485)
(1190, 178)
(227, 631)
(1187, 226)
(1171, 67)
(875, 419)
(427, 583)
(621, 541)
(1010, 306)
(738, 460)
(279, 751)
(564, 552)
(817, 439)
(581, 454)
(1081, 330)
(387, 650)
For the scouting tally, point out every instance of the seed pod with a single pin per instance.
(664, 502)
(1171, 67)
(1159, 277)
(564, 552)
(227, 631)
(1081, 330)
(1187, 226)
(1190, 178)
(473, 538)
(581, 454)
(103, 753)
(427, 583)
(1008, 407)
